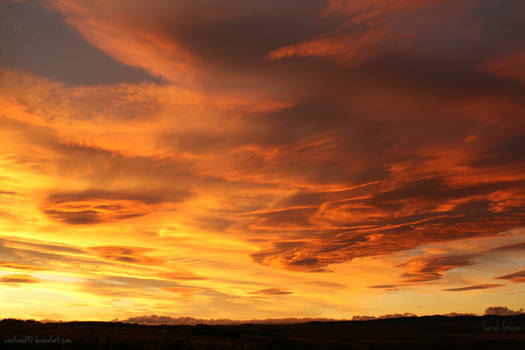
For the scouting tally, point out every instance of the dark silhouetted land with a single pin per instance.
(428, 332)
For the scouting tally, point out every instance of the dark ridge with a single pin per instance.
(426, 332)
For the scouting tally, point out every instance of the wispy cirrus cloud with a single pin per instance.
(92, 207)
(271, 291)
(134, 255)
(473, 287)
(517, 277)
(16, 279)
(433, 269)
(17, 266)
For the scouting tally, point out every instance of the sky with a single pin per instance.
(261, 159)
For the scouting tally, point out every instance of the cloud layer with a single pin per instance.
(235, 154)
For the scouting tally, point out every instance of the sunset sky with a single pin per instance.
(252, 159)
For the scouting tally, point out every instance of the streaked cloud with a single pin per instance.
(271, 291)
(15, 279)
(16, 266)
(133, 255)
(474, 287)
(518, 276)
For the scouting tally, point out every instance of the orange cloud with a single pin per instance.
(271, 291)
(433, 269)
(133, 255)
(15, 279)
(92, 207)
(249, 162)
(92, 211)
(517, 277)
(16, 266)
(509, 66)
(180, 275)
(434, 266)
(473, 287)
(349, 49)
(184, 292)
